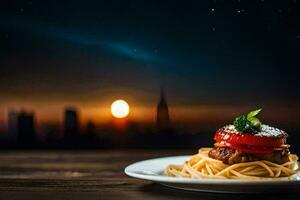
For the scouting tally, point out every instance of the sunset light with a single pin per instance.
(149, 99)
(119, 108)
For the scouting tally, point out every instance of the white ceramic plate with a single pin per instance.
(153, 170)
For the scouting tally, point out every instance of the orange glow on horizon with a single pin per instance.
(99, 112)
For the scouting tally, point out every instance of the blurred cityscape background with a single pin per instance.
(22, 131)
(186, 68)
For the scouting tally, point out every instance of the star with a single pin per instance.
(239, 11)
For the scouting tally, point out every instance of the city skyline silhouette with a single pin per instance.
(215, 60)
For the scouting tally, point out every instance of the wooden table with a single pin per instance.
(90, 175)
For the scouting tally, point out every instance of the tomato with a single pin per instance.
(249, 143)
(249, 139)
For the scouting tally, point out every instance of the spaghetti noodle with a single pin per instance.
(202, 166)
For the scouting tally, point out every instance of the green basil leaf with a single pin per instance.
(253, 113)
(248, 123)
(255, 122)
(240, 123)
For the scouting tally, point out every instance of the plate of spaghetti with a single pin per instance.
(247, 157)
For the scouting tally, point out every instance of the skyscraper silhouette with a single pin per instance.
(12, 125)
(71, 129)
(26, 130)
(162, 112)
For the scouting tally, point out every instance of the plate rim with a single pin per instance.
(203, 181)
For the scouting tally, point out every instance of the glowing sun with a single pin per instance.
(119, 108)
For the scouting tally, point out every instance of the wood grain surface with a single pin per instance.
(91, 175)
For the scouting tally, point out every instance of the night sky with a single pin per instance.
(214, 59)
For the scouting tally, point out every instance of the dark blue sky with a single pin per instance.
(202, 52)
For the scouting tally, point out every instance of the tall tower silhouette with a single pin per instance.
(162, 112)
(71, 128)
(12, 125)
(26, 129)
